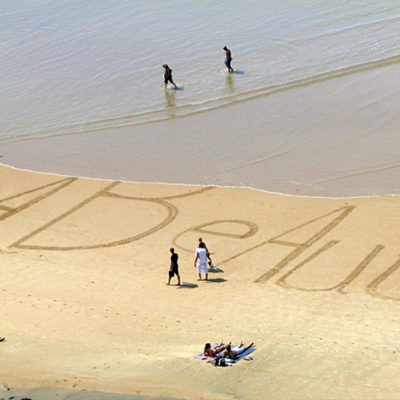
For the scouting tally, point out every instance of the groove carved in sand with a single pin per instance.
(210, 228)
(172, 213)
(252, 228)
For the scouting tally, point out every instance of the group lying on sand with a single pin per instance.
(230, 352)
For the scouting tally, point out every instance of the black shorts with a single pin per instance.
(228, 62)
(167, 78)
(174, 271)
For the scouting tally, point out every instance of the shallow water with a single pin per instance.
(323, 75)
(79, 66)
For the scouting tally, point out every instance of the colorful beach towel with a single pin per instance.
(228, 360)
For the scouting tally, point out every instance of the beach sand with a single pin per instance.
(85, 305)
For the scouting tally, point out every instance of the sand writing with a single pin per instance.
(252, 229)
(338, 216)
(332, 220)
(171, 213)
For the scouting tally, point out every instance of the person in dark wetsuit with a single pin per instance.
(228, 59)
(173, 269)
(168, 76)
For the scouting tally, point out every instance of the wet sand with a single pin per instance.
(85, 305)
(328, 136)
(62, 394)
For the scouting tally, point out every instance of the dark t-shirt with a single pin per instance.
(168, 74)
(174, 259)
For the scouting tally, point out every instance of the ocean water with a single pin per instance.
(74, 68)
(70, 66)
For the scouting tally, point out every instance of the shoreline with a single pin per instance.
(201, 185)
(287, 167)
(331, 144)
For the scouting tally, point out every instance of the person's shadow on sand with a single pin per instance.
(187, 285)
(238, 72)
(215, 280)
(215, 270)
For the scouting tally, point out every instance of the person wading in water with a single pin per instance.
(228, 59)
(168, 76)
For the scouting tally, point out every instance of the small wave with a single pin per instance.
(258, 160)
(365, 171)
(356, 26)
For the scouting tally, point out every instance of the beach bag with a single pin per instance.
(219, 361)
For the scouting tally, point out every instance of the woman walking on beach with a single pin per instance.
(208, 253)
(200, 261)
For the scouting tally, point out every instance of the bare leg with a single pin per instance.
(179, 279)
(219, 348)
(206, 277)
(199, 277)
(250, 345)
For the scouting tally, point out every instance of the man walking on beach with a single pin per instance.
(200, 261)
(228, 59)
(173, 269)
(168, 76)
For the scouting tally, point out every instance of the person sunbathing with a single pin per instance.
(214, 351)
(237, 351)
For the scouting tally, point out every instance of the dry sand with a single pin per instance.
(85, 305)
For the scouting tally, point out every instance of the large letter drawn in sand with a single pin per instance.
(372, 288)
(340, 285)
(100, 204)
(224, 227)
(299, 248)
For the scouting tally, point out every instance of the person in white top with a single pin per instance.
(200, 260)
(208, 254)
